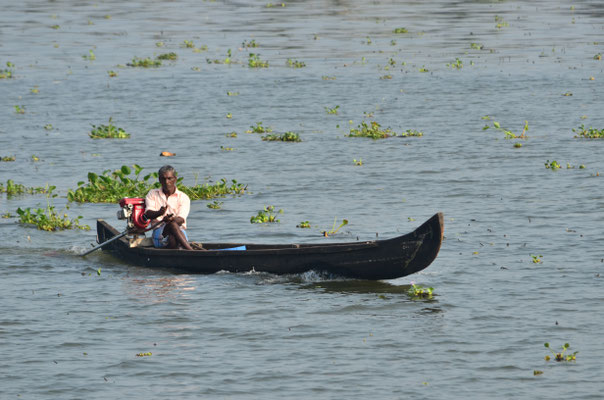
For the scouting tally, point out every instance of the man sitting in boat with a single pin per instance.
(170, 206)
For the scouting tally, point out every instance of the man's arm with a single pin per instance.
(154, 214)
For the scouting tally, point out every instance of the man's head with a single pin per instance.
(167, 178)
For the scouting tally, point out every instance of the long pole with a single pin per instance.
(105, 243)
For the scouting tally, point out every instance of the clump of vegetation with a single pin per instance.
(328, 78)
(48, 219)
(457, 64)
(286, 137)
(266, 215)
(401, 30)
(112, 74)
(508, 133)
(7, 73)
(90, 56)
(333, 111)
(589, 133)
(232, 93)
(254, 61)
(418, 291)
(215, 205)
(187, 44)
(168, 56)
(411, 132)
(295, 63)
(231, 134)
(12, 189)
(251, 43)
(372, 130)
(111, 186)
(109, 131)
(561, 356)
(8, 158)
(19, 109)
(375, 131)
(386, 77)
(598, 57)
(537, 259)
(303, 225)
(500, 22)
(258, 128)
(335, 229)
(227, 60)
(148, 354)
(358, 162)
(476, 46)
(144, 63)
(554, 165)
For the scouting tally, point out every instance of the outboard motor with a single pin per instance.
(133, 210)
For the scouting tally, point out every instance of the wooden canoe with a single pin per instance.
(375, 259)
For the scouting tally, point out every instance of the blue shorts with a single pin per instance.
(159, 240)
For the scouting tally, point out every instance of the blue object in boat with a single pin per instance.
(235, 248)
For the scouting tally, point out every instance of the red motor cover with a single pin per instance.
(138, 211)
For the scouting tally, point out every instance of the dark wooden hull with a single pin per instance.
(376, 259)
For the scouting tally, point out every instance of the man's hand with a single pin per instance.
(162, 210)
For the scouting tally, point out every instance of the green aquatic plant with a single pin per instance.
(19, 109)
(561, 356)
(7, 158)
(187, 44)
(335, 229)
(227, 60)
(358, 162)
(112, 74)
(476, 46)
(266, 215)
(6, 73)
(215, 205)
(328, 78)
(48, 219)
(144, 63)
(375, 131)
(333, 111)
(303, 225)
(271, 5)
(251, 43)
(232, 93)
(231, 134)
(418, 291)
(286, 137)
(508, 133)
(295, 63)
(372, 130)
(254, 61)
(411, 132)
(111, 186)
(554, 165)
(90, 56)
(537, 259)
(500, 22)
(424, 69)
(589, 133)
(148, 354)
(457, 64)
(401, 30)
(168, 56)
(386, 77)
(12, 189)
(109, 131)
(258, 128)
(598, 57)
(224, 148)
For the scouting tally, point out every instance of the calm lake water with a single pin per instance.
(67, 332)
